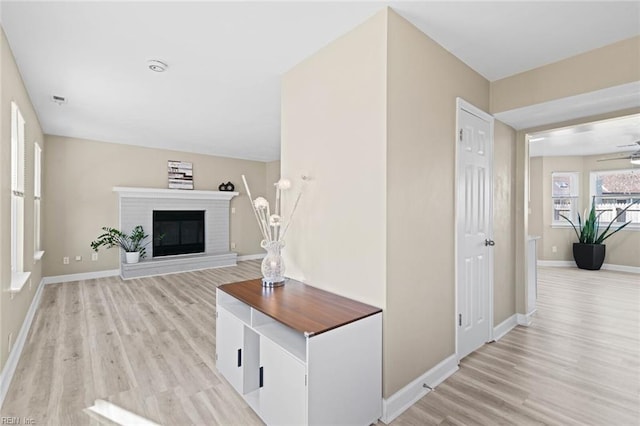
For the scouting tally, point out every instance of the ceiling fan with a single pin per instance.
(633, 156)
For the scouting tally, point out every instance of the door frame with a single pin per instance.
(461, 105)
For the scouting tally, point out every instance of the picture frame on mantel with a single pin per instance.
(180, 174)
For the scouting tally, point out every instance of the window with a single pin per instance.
(564, 193)
(18, 277)
(614, 190)
(37, 196)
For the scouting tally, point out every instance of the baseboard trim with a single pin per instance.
(82, 276)
(621, 268)
(606, 266)
(525, 319)
(504, 327)
(14, 356)
(557, 263)
(251, 257)
(400, 401)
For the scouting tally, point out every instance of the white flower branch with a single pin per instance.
(271, 226)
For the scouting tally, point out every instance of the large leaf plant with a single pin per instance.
(589, 230)
(133, 242)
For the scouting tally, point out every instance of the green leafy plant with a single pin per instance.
(133, 242)
(589, 230)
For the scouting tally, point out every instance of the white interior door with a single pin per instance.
(474, 234)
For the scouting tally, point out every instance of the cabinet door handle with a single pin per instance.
(239, 357)
(261, 376)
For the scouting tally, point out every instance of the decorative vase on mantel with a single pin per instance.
(272, 264)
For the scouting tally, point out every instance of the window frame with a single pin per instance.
(37, 202)
(593, 174)
(574, 198)
(18, 154)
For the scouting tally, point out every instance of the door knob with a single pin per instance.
(489, 243)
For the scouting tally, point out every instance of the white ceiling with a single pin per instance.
(618, 135)
(221, 92)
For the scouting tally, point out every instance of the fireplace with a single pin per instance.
(137, 207)
(182, 232)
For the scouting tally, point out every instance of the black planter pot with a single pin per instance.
(589, 256)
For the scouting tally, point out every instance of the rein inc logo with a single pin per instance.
(17, 421)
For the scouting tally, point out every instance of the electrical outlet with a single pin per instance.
(554, 249)
(78, 258)
(10, 342)
(94, 257)
(233, 246)
(65, 260)
(233, 210)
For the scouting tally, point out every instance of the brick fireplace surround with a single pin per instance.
(136, 208)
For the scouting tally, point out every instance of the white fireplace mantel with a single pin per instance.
(182, 194)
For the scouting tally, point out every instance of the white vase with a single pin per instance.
(132, 256)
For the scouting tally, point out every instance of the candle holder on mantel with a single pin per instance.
(273, 231)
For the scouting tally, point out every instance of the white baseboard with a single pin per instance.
(83, 276)
(525, 319)
(400, 401)
(606, 266)
(14, 356)
(557, 263)
(621, 268)
(251, 257)
(504, 327)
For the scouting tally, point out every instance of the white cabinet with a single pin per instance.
(239, 359)
(299, 355)
(283, 386)
(230, 335)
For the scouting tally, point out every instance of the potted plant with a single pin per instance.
(589, 251)
(133, 244)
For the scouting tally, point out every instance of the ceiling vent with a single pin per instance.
(58, 99)
(157, 66)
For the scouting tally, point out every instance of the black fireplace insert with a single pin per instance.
(178, 232)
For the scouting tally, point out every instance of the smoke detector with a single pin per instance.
(58, 99)
(157, 66)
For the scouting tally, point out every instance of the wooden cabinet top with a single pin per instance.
(304, 308)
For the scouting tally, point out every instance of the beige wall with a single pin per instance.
(371, 118)
(504, 222)
(333, 130)
(609, 66)
(423, 82)
(272, 175)
(79, 176)
(13, 309)
(622, 249)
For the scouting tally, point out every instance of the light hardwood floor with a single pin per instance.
(578, 364)
(148, 345)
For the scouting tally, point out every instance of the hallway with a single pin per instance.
(577, 364)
